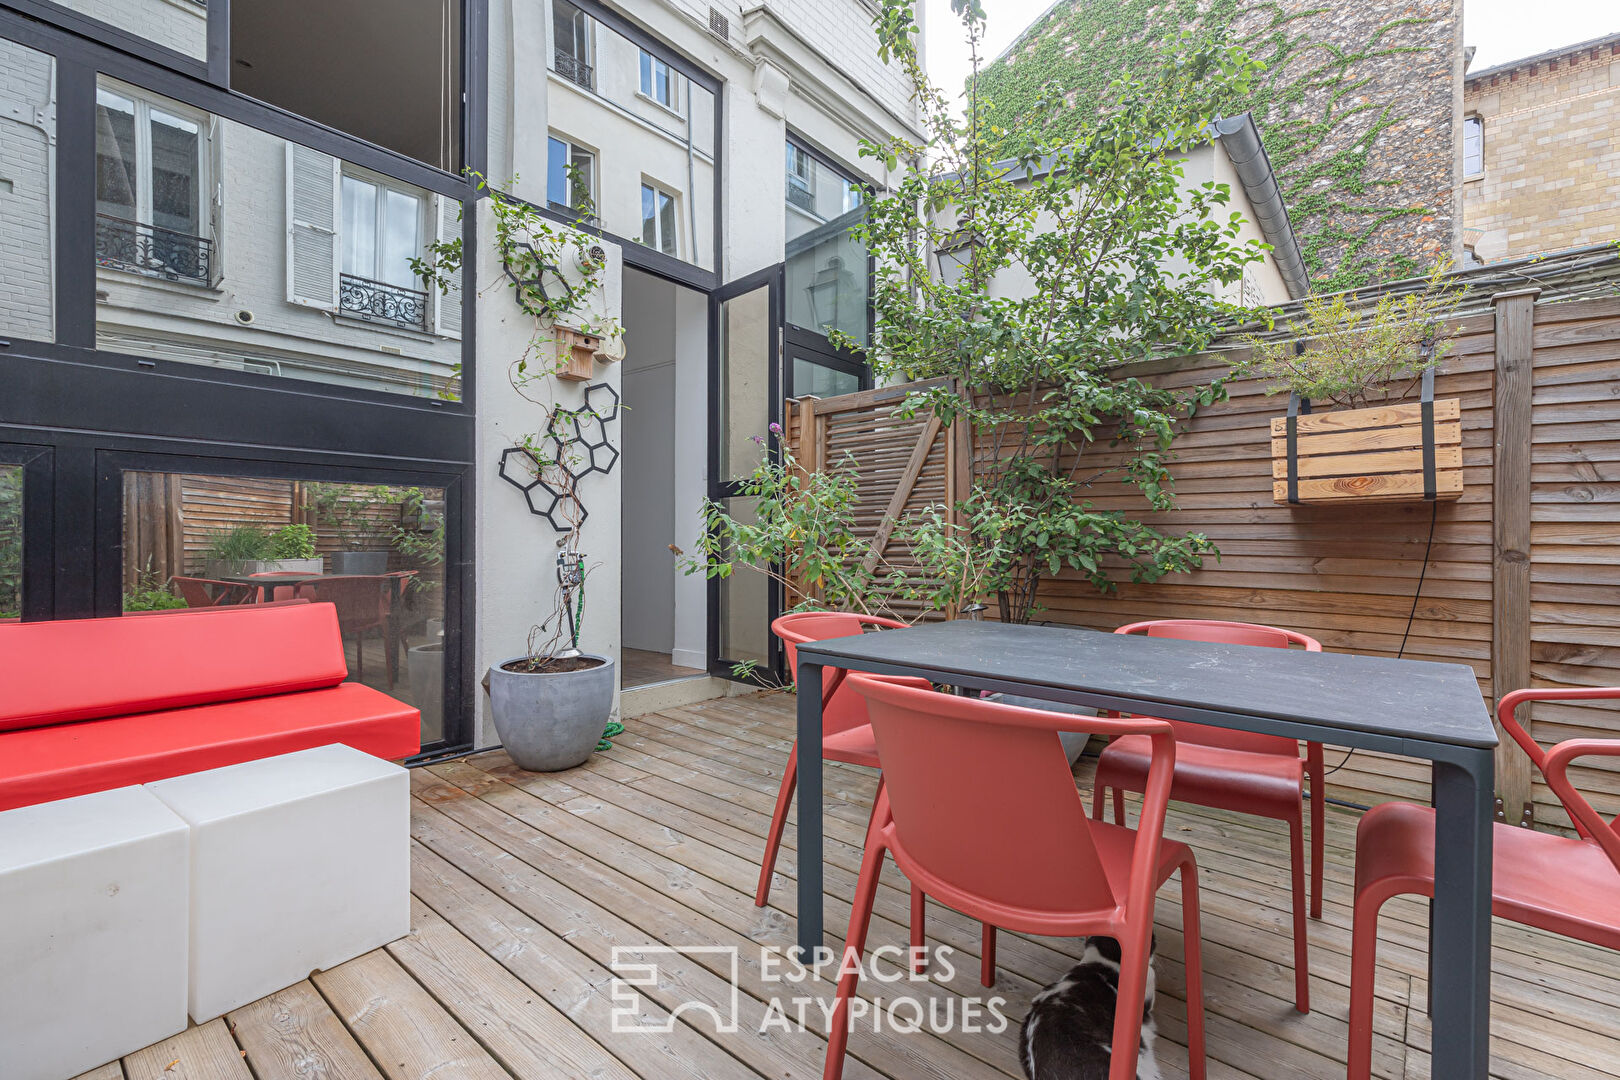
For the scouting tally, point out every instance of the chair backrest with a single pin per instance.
(82, 669)
(206, 592)
(846, 709)
(984, 804)
(1221, 632)
(1554, 764)
(362, 600)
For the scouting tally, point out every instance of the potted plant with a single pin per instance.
(344, 507)
(254, 549)
(1378, 446)
(552, 705)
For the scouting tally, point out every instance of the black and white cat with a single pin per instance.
(1069, 1032)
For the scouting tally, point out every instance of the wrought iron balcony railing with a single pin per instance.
(122, 244)
(574, 69)
(801, 196)
(377, 301)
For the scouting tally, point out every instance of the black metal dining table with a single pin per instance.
(1415, 709)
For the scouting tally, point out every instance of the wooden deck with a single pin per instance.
(524, 884)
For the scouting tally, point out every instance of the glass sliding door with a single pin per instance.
(746, 399)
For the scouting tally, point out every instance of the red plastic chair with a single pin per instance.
(1242, 771)
(846, 735)
(981, 810)
(1566, 885)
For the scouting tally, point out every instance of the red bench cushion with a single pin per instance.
(83, 669)
(58, 762)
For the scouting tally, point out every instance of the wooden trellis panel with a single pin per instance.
(905, 464)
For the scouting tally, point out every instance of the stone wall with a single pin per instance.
(1552, 155)
(1358, 109)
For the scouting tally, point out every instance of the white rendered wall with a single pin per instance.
(514, 551)
(649, 463)
(691, 471)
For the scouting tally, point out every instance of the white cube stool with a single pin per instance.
(92, 932)
(298, 863)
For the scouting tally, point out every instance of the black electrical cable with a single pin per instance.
(1411, 616)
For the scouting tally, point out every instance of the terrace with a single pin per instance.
(524, 884)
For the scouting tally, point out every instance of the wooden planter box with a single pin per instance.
(1368, 455)
(576, 354)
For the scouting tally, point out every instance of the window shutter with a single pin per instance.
(447, 305)
(312, 227)
(216, 198)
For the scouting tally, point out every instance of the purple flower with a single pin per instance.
(757, 439)
(776, 429)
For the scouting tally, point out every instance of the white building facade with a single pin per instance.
(216, 327)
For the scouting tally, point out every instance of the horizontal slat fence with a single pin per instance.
(1410, 579)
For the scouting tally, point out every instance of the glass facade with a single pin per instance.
(374, 551)
(828, 282)
(192, 212)
(27, 201)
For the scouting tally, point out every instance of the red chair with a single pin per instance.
(1565, 885)
(278, 593)
(980, 809)
(1234, 770)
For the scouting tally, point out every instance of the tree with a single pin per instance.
(1066, 263)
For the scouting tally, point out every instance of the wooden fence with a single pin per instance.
(1519, 578)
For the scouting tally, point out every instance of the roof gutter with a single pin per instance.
(1241, 140)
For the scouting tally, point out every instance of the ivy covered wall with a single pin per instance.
(1356, 109)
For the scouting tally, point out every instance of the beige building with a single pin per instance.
(1541, 153)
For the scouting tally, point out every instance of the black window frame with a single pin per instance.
(71, 408)
(806, 337)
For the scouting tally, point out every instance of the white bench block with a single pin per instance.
(298, 863)
(92, 932)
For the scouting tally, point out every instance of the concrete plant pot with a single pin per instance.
(551, 720)
(1074, 742)
(424, 665)
(359, 562)
(218, 568)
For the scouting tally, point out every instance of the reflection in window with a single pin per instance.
(658, 219)
(1473, 146)
(570, 181)
(150, 168)
(657, 81)
(181, 25)
(27, 201)
(374, 551)
(828, 284)
(820, 380)
(312, 254)
(382, 233)
(11, 542)
(571, 44)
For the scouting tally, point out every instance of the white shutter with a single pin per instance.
(447, 305)
(312, 227)
(216, 199)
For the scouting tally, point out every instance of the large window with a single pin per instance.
(151, 173)
(658, 220)
(382, 233)
(570, 175)
(1473, 147)
(28, 150)
(658, 81)
(828, 283)
(386, 71)
(571, 54)
(375, 551)
(321, 285)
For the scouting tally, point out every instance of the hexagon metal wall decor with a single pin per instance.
(594, 401)
(543, 498)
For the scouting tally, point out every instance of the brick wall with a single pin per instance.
(181, 25)
(1552, 156)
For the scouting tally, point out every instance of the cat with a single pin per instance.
(1069, 1032)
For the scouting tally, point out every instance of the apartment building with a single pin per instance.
(213, 329)
(1541, 153)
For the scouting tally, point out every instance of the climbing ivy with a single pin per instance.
(1317, 118)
